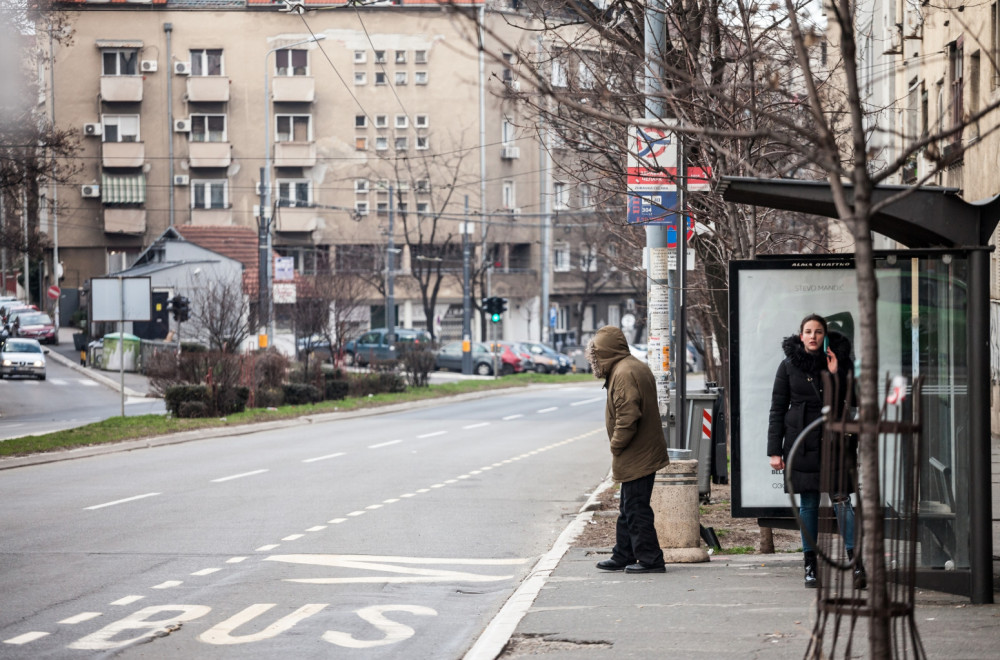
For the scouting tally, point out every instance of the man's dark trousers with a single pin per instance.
(635, 535)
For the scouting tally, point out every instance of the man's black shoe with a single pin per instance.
(634, 569)
(610, 565)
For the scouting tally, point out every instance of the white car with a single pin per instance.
(22, 357)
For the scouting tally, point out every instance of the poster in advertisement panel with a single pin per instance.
(768, 300)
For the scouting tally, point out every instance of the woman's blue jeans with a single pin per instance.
(809, 514)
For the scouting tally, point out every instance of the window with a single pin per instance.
(360, 121)
(360, 57)
(588, 258)
(400, 57)
(422, 186)
(420, 56)
(380, 78)
(402, 121)
(420, 121)
(422, 142)
(361, 186)
(294, 128)
(381, 143)
(360, 143)
(956, 77)
(614, 315)
(294, 192)
(508, 71)
(560, 257)
(560, 196)
(509, 195)
(206, 62)
(507, 132)
(382, 208)
(380, 57)
(420, 78)
(558, 73)
(584, 76)
(995, 44)
(586, 196)
(381, 121)
(423, 207)
(361, 208)
(974, 71)
(209, 194)
(400, 77)
(360, 78)
(208, 128)
(120, 62)
(402, 144)
(291, 62)
(120, 128)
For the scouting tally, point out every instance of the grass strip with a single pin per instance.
(120, 429)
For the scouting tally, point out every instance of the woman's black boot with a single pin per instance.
(810, 560)
(860, 577)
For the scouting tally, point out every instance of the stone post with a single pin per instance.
(675, 507)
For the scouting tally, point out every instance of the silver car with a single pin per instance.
(22, 357)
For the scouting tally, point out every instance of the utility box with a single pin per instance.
(705, 429)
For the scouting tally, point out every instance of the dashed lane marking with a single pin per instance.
(238, 476)
(25, 638)
(547, 410)
(430, 435)
(80, 618)
(384, 444)
(586, 401)
(127, 499)
(128, 600)
(323, 458)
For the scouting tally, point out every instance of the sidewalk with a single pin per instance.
(136, 385)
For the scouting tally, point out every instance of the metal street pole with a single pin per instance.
(265, 273)
(466, 302)
(390, 252)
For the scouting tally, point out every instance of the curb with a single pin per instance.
(103, 380)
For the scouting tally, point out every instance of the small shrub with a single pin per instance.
(335, 390)
(193, 347)
(270, 368)
(179, 394)
(297, 394)
(229, 400)
(361, 385)
(418, 364)
(189, 409)
(268, 397)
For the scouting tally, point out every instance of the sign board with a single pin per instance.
(284, 293)
(652, 163)
(120, 299)
(284, 269)
(53, 292)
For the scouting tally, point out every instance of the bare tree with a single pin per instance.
(220, 314)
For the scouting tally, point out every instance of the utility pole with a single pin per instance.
(390, 252)
(466, 302)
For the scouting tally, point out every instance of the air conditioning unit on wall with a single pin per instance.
(92, 129)
(182, 68)
(148, 66)
(90, 190)
(181, 179)
(510, 153)
(182, 126)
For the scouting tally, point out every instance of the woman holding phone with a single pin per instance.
(796, 401)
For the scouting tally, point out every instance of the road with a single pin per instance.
(397, 535)
(66, 399)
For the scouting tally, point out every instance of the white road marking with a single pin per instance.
(169, 584)
(127, 600)
(293, 537)
(407, 573)
(423, 490)
(430, 435)
(238, 476)
(463, 476)
(475, 471)
(408, 495)
(510, 417)
(354, 514)
(451, 481)
(390, 501)
(317, 528)
(265, 548)
(206, 571)
(475, 426)
(337, 521)
(372, 507)
(86, 382)
(25, 638)
(323, 458)
(57, 381)
(437, 485)
(237, 560)
(586, 401)
(547, 410)
(127, 499)
(81, 617)
(135, 399)
(384, 444)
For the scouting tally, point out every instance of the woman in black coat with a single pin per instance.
(796, 401)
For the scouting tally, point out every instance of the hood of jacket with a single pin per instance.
(814, 363)
(606, 349)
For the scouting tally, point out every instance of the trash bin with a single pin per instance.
(80, 341)
(120, 350)
(699, 442)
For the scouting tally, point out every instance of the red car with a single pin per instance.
(37, 325)
(511, 362)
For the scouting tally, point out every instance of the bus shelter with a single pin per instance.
(933, 321)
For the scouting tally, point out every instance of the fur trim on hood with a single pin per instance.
(814, 363)
(606, 348)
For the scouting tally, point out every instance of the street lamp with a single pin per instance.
(265, 277)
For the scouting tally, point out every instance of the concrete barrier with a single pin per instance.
(675, 507)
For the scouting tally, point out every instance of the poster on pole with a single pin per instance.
(121, 299)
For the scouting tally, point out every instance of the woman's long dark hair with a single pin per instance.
(813, 317)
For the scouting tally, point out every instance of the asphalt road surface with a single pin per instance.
(66, 399)
(397, 535)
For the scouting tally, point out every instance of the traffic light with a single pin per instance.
(497, 307)
(181, 307)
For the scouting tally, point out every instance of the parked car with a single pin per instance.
(511, 361)
(373, 346)
(38, 325)
(22, 357)
(547, 360)
(577, 353)
(449, 357)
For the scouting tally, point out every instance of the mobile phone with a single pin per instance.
(826, 343)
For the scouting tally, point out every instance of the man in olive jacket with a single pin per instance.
(638, 449)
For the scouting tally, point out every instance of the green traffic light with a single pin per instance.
(495, 318)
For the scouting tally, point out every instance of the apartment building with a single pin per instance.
(365, 117)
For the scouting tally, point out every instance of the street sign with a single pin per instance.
(53, 292)
(672, 233)
(652, 159)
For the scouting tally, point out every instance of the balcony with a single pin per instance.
(208, 89)
(296, 219)
(124, 221)
(212, 217)
(294, 154)
(123, 154)
(121, 89)
(210, 154)
(293, 89)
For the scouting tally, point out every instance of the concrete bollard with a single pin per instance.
(675, 508)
